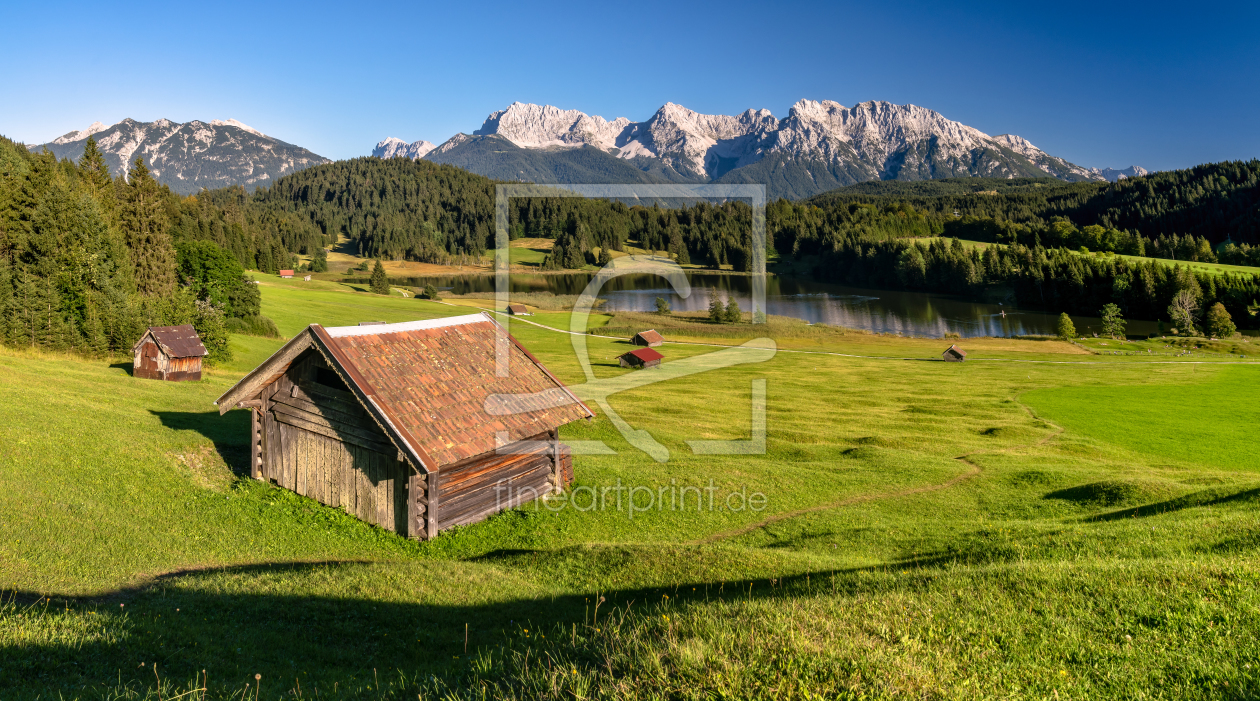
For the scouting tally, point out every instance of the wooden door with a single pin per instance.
(149, 360)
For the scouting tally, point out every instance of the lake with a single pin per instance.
(879, 311)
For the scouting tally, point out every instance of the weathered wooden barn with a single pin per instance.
(170, 353)
(518, 310)
(649, 338)
(641, 358)
(409, 426)
(954, 354)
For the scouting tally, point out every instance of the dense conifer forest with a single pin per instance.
(86, 261)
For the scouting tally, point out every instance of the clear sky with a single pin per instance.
(1101, 84)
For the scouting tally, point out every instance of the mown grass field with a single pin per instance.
(1038, 522)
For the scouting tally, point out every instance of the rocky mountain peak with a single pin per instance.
(192, 155)
(394, 147)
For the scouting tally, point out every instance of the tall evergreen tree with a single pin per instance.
(144, 224)
(95, 176)
(380, 283)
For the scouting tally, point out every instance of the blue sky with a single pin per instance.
(1101, 84)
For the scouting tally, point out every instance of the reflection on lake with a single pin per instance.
(879, 311)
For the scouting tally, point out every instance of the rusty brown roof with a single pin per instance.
(644, 354)
(436, 382)
(956, 351)
(651, 336)
(176, 341)
(517, 308)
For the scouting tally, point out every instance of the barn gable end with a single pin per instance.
(393, 422)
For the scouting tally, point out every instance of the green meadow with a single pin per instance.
(1041, 521)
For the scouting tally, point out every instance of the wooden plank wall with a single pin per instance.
(470, 491)
(321, 444)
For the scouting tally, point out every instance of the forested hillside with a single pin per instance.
(1217, 202)
(88, 261)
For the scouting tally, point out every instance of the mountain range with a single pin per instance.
(819, 146)
(190, 156)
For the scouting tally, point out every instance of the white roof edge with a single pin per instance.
(379, 329)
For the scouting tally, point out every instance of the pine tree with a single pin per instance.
(145, 226)
(717, 313)
(733, 315)
(96, 178)
(380, 283)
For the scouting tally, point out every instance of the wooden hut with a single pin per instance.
(954, 354)
(641, 358)
(171, 353)
(649, 338)
(517, 310)
(286, 273)
(408, 426)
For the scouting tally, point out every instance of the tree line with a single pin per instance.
(88, 261)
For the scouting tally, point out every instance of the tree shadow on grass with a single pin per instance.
(1206, 497)
(127, 367)
(230, 433)
(233, 623)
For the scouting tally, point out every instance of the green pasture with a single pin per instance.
(1039, 522)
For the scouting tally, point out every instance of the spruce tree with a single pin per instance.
(717, 313)
(145, 226)
(380, 283)
(733, 314)
(96, 178)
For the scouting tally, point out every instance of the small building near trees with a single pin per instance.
(517, 310)
(171, 353)
(409, 426)
(286, 273)
(954, 354)
(640, 358)
(649, 338)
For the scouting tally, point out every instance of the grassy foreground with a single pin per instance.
(1044, 523)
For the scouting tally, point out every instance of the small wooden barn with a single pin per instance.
(409, 426)
(517, 310)
(641, 358)
(286, 273)
(170, 353)
(649, 338)
(954, 354)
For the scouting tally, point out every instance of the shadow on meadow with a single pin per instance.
(229, 433)
(186, 622)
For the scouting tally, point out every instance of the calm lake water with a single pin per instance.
(880, 311)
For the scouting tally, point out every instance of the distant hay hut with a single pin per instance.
(408, 426)
(171, 353)
(649, 338)
(286, 273)
(954, 354)
(641, 358)
(306, 278)
(518, 310)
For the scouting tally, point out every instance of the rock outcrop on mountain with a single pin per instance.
(819, 145)
(397, 148)
(190, 156)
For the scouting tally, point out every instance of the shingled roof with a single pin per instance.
(175, 341)
(433, 384)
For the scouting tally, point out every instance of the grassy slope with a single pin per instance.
(929, 530)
